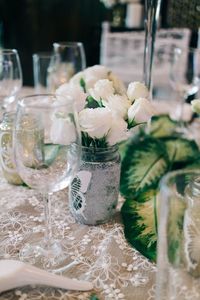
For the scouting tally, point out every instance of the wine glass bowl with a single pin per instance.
(47, 154)
(185, 71)
(42, 62)
(68, 59)
(10, 76)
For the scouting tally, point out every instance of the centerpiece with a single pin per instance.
(108, 113)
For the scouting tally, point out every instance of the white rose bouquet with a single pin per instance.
(107, 111)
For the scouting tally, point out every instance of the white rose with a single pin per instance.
(141, 111)
(95, 121)
(75, 92)
(93, 74)
(76, 78)
(118, 104)
(137, 90)
(117, 83)
(62, 131)
(118, 131)
(103, 88)
(196, 105)
(98, 71)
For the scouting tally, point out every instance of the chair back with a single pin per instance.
(123, 52)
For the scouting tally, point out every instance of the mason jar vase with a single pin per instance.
(93, 193)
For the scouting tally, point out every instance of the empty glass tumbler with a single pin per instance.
(178, 275)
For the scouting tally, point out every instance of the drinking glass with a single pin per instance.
(47, 154)
(10, 76)
(178, 275)
(42, 62)
(185, 74)
(70, 59)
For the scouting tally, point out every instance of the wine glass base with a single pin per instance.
(51, 257)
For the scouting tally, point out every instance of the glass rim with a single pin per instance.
(42, 54)
(99, 149)
(22, 100)
(166, 178)
(8, 51)
(68, 44)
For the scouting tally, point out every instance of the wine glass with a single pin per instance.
(68, 60)
(41, 71)
(10, 76)
(185, 75)
(178, 261)
(47, 154)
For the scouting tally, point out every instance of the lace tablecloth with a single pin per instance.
(96, 253)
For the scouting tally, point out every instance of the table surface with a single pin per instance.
(100, 253)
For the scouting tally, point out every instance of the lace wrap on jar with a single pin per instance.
(93, 193)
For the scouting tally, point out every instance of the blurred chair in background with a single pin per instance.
(123, 52)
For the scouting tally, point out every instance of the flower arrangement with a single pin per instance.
(107, 111)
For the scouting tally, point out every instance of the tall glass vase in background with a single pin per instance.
(152, 10)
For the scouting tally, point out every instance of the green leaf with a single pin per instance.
(142, 167)
(195, 164)
(175, 230)
(140, 222)
(83, 84)
(181, 150)
(94, 297)
(92, 103)
(50, 153)
(162, 126)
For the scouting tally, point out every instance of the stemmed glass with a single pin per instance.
(10, 76)
(47, 154)
(68, 59)
(185, 75)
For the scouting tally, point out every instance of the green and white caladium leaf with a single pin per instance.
(140, 222)
(195, 164)
(180, 150)
(175, 230)
(162, 126)
(142, 167)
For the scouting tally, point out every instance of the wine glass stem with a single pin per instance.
(48, 223)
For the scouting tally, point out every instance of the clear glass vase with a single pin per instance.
(152, 10)
(93, 193)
